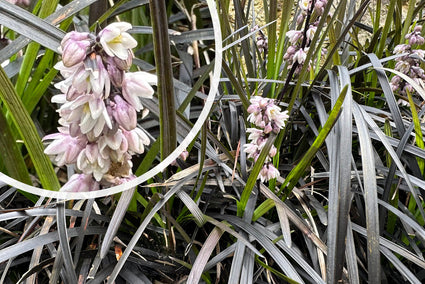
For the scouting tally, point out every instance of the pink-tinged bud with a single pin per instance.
(417, 28)
(184, 155)
(124, 64)
(412, 40)
(273, 151)
(134, 86)
(81, 183)
(409, 88)
(74, 52)
(268, 128)
(74, 129)
(116, 74)
(74, 48)
(291, 49)
(125, 115)
(420, 40)
(300, 19)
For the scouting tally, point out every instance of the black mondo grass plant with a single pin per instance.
(212, 141)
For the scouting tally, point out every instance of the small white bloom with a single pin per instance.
(304, 4)
(116, 41)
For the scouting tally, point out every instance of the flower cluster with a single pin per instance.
(261, 40)
(409, 63)
(297, 51)
(99, 104)
(268, 117)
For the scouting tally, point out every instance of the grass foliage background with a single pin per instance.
(349, 206)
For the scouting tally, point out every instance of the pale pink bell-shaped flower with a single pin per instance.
(402, 66)
(135, 86)
(124, 114)
(252, 150)
(114, 145)
(92, 77)
(300, 55)
(80, 183)
(268, 172)
(419, 52)
(64, 149)
(89, 111)
(310, 32)
(120, 172)
(401, 48)
(255, 134)
(67, 72)
(90, 161)
(137, 140)
(116, 41)
(294, 36)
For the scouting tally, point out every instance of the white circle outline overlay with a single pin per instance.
(167, 161)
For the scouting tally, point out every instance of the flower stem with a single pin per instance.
(164, 72)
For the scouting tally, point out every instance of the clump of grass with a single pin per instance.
(347, 206)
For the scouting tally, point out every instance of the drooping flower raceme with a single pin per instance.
(98, 108)
(268, 117)
(409, 64)
(297, 51)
